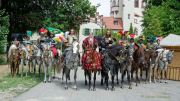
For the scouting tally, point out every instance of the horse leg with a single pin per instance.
(45, 72)
(146, 75)
(89, 76)
(137, 77)
(141, 73)
(165, 75)
(112, 78)
(85, 75)
(67, 73)
(34, 66)
(150, 73)
(75, 77)
(122, 78)
(106, 80)
(22, 67)
(63, 72)
(102, 77)
(94, 85)
(117, 79)
(129, 79)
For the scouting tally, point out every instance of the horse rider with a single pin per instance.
(71, 36)
(150, 44)
(14, 45)
(90, 56)
(157, 44)
(108, 39)
(90, 43)
(140, 43)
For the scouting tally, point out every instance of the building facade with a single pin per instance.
(130, 11)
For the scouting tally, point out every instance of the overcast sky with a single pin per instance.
(104, 9)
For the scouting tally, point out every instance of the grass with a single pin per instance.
(17, 84)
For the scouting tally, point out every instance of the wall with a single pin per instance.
(89, 25)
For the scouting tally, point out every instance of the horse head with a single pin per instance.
(169, 56)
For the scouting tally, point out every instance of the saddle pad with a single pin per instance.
(54, 51)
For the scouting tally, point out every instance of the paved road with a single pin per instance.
(144, 92)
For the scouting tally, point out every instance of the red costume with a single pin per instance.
(91, 59)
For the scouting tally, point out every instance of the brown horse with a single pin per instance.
(14, 61)
(138, 63)
(149, 59)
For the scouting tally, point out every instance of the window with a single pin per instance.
(86, 31)
(136, 3)
(115, 22)
(113, 3)
(143, 4)
(135, 21)
(129, 16)
(116, 12)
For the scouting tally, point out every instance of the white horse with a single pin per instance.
(163, 59)
(36, 59)
(23, 59)
(71, 62)
(47, 57)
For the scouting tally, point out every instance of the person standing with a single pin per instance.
(71, 36)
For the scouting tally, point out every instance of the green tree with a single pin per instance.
(131, 29)
(162, 18)
(4, 29)
(33, 14)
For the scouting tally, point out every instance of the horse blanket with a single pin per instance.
(91, 59)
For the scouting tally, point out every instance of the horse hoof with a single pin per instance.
(90, 89)
(122, 87)
(66, 88)
(107, 88)
(44, 81)
(94, 89)
(117, 83)
(166, 82)
(130, 87)
(113, 89)
(85, 82)
(136, 84)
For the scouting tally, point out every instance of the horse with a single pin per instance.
(138, 62)
(71, 62)
(110, 64)
(126, 63)
(165, 58)
(36, 59)
(59, 63)
(23, 59)
(149, 65)
(14, 57)
(47, 57)
(91, 61)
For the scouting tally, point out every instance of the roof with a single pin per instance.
(171, 40)
(109, 23)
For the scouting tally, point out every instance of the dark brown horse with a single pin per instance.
(138, 63)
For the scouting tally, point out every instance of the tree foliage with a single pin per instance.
(162, 18)
(4, 29)
(131, 29)
(33, 14)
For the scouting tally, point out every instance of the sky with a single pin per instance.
(104, 9)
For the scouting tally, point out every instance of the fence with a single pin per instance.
(173, 73)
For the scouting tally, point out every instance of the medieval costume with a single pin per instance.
(91, 59)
